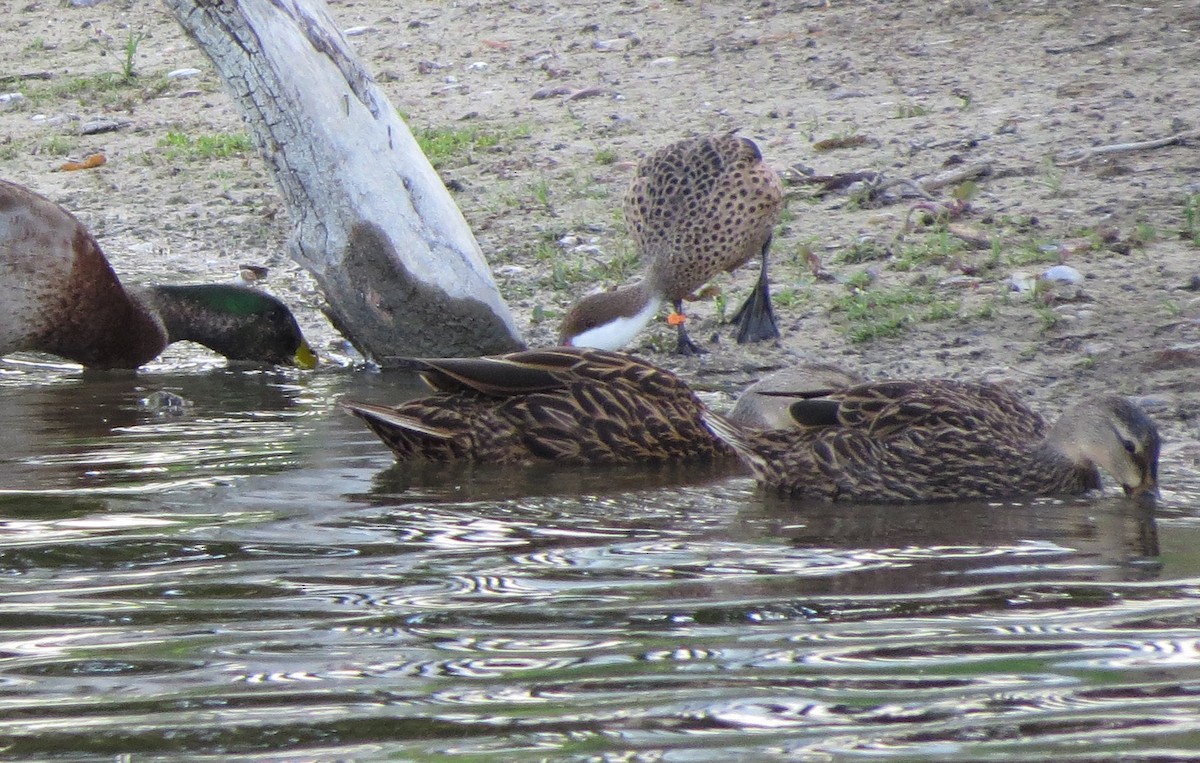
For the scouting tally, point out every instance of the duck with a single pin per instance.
(932, 440)
(571, 405)
(59, 295)
(695, 208)
(766, 404)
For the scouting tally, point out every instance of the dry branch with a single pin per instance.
(401, 271)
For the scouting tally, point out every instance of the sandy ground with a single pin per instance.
(555, 103)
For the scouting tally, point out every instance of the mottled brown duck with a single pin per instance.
(695, 209)
(766, 404)
(59, 295)
(565, 404)
(938, 440)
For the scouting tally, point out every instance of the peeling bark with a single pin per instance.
(401, 271)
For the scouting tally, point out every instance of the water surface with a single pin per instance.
(251, 577)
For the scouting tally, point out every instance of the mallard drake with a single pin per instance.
(59, 295)
(696, 208)
(936, 440)
(565, 404)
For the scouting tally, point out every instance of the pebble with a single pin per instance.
(96, 126)
(1063, 274)
(615, 44)
(1059, 274)
(58, 120)
(550, 92)
(1021, 282)
(188, 73)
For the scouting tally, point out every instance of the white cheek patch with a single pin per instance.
(618, 332)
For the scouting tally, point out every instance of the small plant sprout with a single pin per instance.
(1191, 219)
(129, 61)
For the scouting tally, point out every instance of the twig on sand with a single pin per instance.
(1080, 155)
(956, 175)
(872, 186)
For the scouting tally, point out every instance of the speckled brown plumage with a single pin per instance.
(695, 208)
(934, 440)
(701, 207)
(570, 405)
(59, 295)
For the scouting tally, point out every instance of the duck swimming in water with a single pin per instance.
(59, 295)
(939, 440)
(565, 404)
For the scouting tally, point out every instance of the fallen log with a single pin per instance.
(401, 271)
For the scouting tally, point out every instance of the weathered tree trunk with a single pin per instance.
(401, 271)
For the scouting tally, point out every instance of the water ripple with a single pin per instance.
(307, 599)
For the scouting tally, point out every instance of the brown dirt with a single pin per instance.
(575, 93)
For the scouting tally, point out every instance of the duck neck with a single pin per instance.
(610, 320)
(1059, 454)
(218, 316)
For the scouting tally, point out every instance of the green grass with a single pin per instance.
(129, 59)
(1053, 179)
(1191, 219)
(568, 270)
(178, 145)
(59, 145)
(621, 267)
(910, 110)
(791, 298)
(863, 250)
(455, 146)
(937, 247)
(1143, 234)
(96, 91)
(1047, 316)
(546, 251)
(1034, 251)
(540, 191)
(870, 314)
(584, 185)
(721, 306)
(606, 156)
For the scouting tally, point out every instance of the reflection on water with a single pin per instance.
(97, 432)
(254, 578)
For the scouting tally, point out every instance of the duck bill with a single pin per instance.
(304, 358)
(1144, 494)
